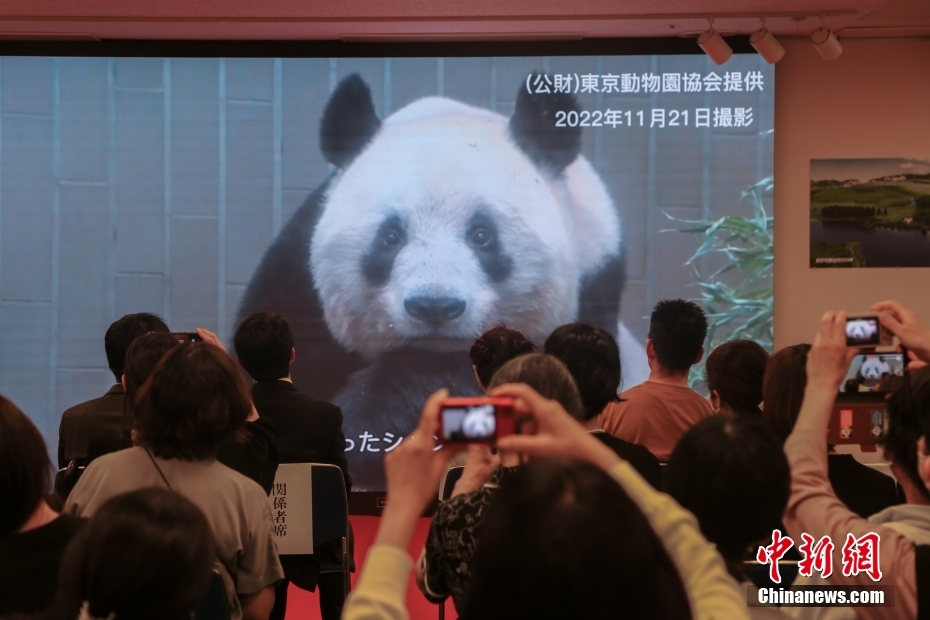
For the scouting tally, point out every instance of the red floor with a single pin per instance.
(303, 605)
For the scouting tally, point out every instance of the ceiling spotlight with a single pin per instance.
(766, 44)
(826, 43)
(714, 45)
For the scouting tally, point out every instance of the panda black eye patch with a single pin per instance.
(482, 237)
(378, 262)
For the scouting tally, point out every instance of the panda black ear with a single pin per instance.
(533, 128)
(349, 121)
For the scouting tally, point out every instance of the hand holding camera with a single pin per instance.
(830, 353)
(907, 326)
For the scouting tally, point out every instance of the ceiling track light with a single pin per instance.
(713, 45)
(825, 42)
(766, 44)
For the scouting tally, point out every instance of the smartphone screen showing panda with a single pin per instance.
(475, 420)
(874, 373)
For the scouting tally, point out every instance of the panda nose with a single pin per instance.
(434, 309)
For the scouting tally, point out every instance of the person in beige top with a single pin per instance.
(194, 401)
(658, 412)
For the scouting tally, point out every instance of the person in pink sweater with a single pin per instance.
(813, 507)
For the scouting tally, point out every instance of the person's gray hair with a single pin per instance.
(547, 375)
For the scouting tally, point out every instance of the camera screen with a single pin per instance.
(869, 370)
(473, 423)
(862, 331)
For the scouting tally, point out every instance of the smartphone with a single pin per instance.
(475, 420)
(866, 332)
(187, 336)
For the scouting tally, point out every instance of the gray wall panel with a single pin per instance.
(249, 79)
(84, 109)
(305, 92)
(140, 181)
(138, 73)
(194, 292)
(27, 85)
(249, 173)
(468, 79)
(25, 341)
(83, 277)
(194, 136)
(26, 228)
(139, 292)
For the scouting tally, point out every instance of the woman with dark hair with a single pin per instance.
(734, 372)
(494, 348)
(730, 472)
(145, 555)
(663, 538)
(32, 535)
(142, 357)
(253, 451)
(864, 490)
(195, 400)
(561, 525)
(490, 351)
(442, 570)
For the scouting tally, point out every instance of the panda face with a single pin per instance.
(440, 228)
(873, 367)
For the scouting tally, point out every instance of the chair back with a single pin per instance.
(330, 504)
(67, 478)
(448, 482)
(213, 606)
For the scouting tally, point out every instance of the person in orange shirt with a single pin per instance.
(658, 412)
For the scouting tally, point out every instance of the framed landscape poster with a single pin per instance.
(870, 212)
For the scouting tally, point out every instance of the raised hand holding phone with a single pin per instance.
(827, 363)
(907, 326)
(413, 471)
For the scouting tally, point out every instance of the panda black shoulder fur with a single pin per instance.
(435, 225)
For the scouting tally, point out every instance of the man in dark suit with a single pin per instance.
(309, 431)
(99, 421)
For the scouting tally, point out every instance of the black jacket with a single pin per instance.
(639, 456)
(309, 431)
(81, 424)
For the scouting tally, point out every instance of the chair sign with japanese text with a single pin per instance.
(292, 509)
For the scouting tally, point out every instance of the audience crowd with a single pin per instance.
(653, 501)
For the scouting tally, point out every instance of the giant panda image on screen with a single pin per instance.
(436, 224)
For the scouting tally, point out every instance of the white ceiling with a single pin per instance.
(450, 19)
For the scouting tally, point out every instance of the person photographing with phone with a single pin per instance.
(814, 508)
(655, 564)
(442, 569)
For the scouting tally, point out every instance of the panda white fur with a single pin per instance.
(438, 223)
(871, 370)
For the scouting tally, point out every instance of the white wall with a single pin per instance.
(873, 101)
